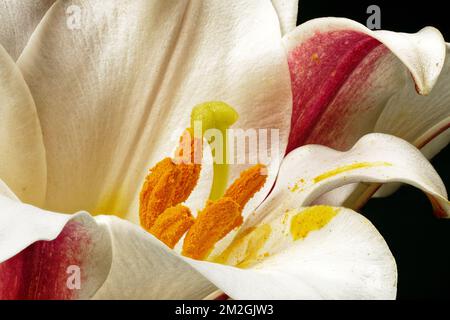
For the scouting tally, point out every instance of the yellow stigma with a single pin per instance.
(219, 116)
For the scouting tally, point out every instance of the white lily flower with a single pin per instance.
(86, 111)
(285, 250)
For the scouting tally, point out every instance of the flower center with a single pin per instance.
(171, 181)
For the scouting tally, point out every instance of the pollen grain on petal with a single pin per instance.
(213, 223)
(351, 167)
(311, 219)
(249, 183)
(172, 224)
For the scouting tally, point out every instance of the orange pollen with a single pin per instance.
(188, 158)
(169, 183)
(249, 183)
(222, 216)
(212, 224)
(170, 226)
(157, 193)
(189, 149)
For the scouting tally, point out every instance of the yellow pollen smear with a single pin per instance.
(311, 219)
(172, 224)
(296, 187)
(245, 250)
(351, 167)
(222, 216)
(256, 241)
(111, 204)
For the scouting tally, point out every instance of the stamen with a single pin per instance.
(157, 192)
(172, 224)
(222, 216)
(189, 149)
(249, 183)
(170, 182)
(212, 224)
(188, 159)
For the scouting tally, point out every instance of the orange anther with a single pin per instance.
(212, 224)
(170, 182)
(188, 158)
(170, 226)
(222, 216)
(189, 150)
(157, 192)
(249, 183)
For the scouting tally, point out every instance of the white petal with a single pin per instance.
(373, 95)
(311, 171)
(18, 20)
(420, 119)
(6, 191)
(337, 197)
(144, 268)
(431, 149)
(287, 11)
(436, 145)
(22, 160)
(41, 250)
(116, 90)
(344, 75)
(116, 258)
(346, 259)
(423, 53)
(425, 121)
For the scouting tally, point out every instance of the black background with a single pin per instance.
(418, 240)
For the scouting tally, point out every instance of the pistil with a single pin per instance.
(219, 116)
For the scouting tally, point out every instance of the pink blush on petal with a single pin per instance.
(40, 271)
(319, 69)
